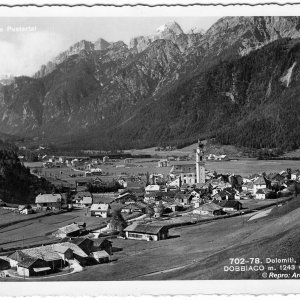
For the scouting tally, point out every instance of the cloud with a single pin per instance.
(25, 52)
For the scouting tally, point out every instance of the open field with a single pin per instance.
(142, 166)
(7, 216)
(37, 231)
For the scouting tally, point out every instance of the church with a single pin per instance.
(190, 172)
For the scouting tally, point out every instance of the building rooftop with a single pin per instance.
(87, 200)
(145, 228)
(102, 198)
(70, 228)
(27, 262)
(76, 249)
(100, 254)
(48, 198)
(260, 181)
(209, 207)
(46, 253)
(100, 206)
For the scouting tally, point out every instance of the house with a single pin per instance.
(182, 198)
(276, 178)
(96, 171)
(147, 232)
(70, 230)
(209, 209)
(101, 256)
(101, 209)
(46, 253)
(107, 198)
(134, 207)
(152, 197)
(262, 194)
(87, 201)
(195, 194)
(82, 184)
(32, 267)
(152, 188)
(232, 205)
(103, 243)
(25, 209)
(84, 243)
(80, 195)
(223, 195)
(126, 197)
(197, 202)
(248, 187)
(64, 252)
(78, 253)
(295, 176)
(163, 163)
(215, 183)
(173, 207)
(48, 201)
(259, 183)
(285, 192)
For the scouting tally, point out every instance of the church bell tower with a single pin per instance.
(200, 164)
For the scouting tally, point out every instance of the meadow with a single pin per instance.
(243, 167)
(37, 231)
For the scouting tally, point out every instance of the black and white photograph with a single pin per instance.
(149, 148)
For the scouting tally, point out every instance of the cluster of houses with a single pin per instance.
(217, 157)
(224, 193)
(70, 253)
(91, 167)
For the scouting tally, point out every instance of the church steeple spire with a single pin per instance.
(200, 165)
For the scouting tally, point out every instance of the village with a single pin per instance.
(97, 208)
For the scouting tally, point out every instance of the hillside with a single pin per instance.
(201, 251)
(168, 88)
(17, 184)
(241, 102)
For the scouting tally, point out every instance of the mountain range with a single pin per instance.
(238, 82)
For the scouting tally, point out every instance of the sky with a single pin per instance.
(41, 39)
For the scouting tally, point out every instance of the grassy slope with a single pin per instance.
(200, 252)
(212, 148)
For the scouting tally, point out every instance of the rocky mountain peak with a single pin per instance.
(168, 31)
(101, 44)
(79, 46)
(169, 28)
(249, 33)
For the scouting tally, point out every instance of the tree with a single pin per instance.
(117, 222)
(147, 178)
(160, 208)
(150, 210)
